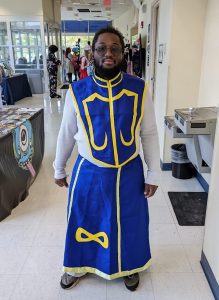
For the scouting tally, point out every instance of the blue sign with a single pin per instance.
(84, 26)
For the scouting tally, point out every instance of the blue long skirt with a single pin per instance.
(108, 220)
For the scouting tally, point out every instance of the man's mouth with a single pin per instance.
(108, 61)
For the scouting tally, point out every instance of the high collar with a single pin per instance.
(106, 83)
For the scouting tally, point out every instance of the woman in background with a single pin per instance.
(84, 64)
(69, 64)
(52, 67)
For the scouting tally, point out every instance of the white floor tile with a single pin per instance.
(169, 259)
(17, 235)
(44, 260)
(160, 215)
(7, 285)
(164, 234)
(191, 235)
(35, 287)
(180, 286)
(50, 235)
(13, 259)
(158, 199)
(193, 254)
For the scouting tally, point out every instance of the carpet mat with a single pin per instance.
(189, 207)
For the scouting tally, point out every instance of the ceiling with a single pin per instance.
(94, 9)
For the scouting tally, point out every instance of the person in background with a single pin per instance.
(106, 114)
(63, 66)
(76, 66)
(84, 64)
(88, 48)
(52, 67)
(69, 64)
(41, 60)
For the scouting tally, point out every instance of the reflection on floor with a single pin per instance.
(32, 239)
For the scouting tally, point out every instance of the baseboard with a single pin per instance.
(165, 166)
(210, 276)
(203, 182)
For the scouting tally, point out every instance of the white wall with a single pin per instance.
(186, 52)
(209, 91)
(126, 21)
(209, 95)
(21, 8)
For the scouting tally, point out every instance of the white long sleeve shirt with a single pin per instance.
(71, 132)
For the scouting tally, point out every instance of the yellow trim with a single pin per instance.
(125, 143)
(136, 130)
(73, 187)
(104, 80)
(118, 81)
(90, 126)
(92, 237)
(93, 96)
(104, 275)
(91, 131)
(105, 86)
(112, 123)
(118, 219)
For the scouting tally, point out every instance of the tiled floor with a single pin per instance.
(32, 239)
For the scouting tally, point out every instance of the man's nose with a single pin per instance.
(108, 51)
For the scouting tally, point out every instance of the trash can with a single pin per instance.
(182, 168)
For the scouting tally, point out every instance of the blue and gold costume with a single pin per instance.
(107, 213)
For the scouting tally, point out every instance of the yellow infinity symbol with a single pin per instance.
(92, 237)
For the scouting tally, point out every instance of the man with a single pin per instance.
(105, 113)
(52, 67)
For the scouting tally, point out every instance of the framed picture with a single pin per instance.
(160, 53)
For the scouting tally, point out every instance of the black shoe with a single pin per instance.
(56, 96)
(132, 281)
(68, 281)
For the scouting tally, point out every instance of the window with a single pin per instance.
(26, 43)
(4, 50)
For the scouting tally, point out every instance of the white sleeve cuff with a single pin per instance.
(152, 177)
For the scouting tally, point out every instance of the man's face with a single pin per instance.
(108, 53)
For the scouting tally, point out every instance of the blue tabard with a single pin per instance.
(110, 112)
(107, 214)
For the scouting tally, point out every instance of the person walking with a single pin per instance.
(106, 114)
(52, 68)
(69, 64)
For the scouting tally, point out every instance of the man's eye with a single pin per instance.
(101, 48)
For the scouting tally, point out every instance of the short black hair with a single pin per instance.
(53, 48)
(108, 29)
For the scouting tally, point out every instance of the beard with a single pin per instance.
(105, 72)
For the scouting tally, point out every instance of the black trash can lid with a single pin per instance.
(179, 147)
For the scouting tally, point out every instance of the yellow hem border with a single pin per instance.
(104, 275)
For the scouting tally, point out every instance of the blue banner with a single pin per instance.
(83, 26)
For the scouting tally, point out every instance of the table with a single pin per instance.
(21, 154)
(16, 88)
